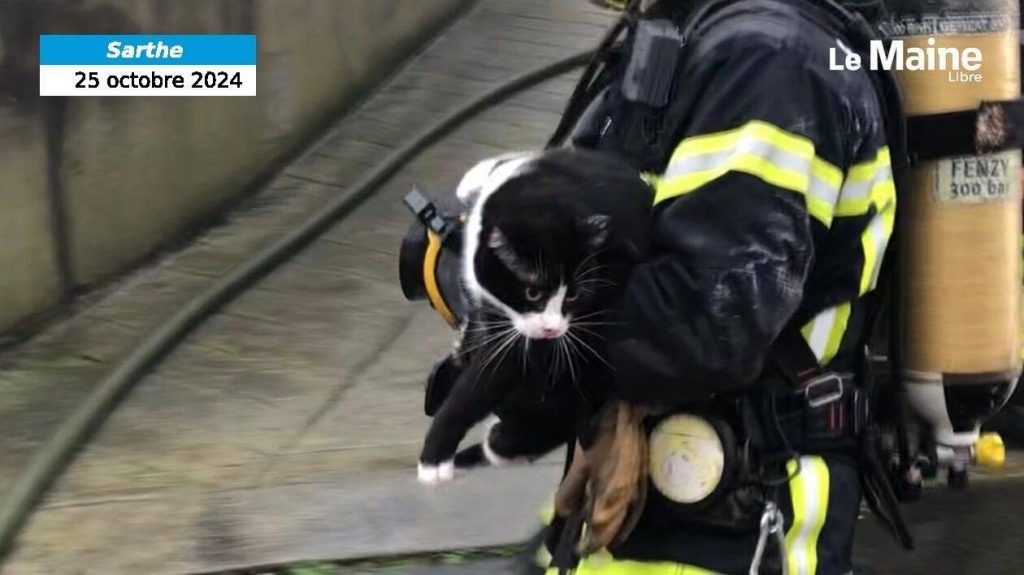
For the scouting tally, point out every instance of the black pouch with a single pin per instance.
(628, 116)
(440, 383)
(652, 64)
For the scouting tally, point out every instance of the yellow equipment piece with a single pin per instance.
(990, 451)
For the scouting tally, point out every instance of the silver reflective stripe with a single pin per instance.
(752, 145)
(879, 237)
(823, 190)
(821, 329)
(856, 191)
(859, 191)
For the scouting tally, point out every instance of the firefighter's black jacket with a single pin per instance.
(774, 204)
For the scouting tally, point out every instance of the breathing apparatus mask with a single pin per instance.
(429, 267)
(429, 261)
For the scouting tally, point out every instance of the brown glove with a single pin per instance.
(608, 481)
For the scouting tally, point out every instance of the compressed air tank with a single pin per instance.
(961, 239)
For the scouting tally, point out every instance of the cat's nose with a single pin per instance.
(549, 332)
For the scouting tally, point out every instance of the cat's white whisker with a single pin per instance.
(595, 323)
(591, 314)
(496, 344)
(484, 326)
(569, 349)
(498, 349)
(589, 257)
(586, 345)
(568, 356)
(488, 340)
(508, 347)
(596, 282)
(557, 367)
(584, 281)
(586, 330)
(526, 352)
(590, 270)
(490, 330)
(500, 321)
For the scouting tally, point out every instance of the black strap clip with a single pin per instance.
(425, 211)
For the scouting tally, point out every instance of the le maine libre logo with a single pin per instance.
(962, 65)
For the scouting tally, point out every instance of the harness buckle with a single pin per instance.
(823, 390)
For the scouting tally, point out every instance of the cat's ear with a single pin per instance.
(502, 248)
(597, 229)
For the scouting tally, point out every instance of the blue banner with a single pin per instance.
(148, 49)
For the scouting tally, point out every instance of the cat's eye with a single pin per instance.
(572, 296)
(532, 294)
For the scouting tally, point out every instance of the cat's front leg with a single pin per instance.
(470, 401)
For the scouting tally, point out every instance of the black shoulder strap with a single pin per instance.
(596, 76)
(992, 127)
(793, 356)
(590, 84)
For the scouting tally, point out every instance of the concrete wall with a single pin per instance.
(89, 186)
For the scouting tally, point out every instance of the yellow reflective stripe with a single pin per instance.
(866, 184)
(870, 184)
(778, 157)
(754, 129)
(603, 564)
(874, 241)
(825, 332)
(547, 513)
(542, 558)
(809, 492)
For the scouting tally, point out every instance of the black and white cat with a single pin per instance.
(547, 248)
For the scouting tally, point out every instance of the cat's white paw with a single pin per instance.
(433, 474)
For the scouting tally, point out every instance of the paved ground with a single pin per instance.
(286, 428)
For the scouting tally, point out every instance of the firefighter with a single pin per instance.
(775, 203)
